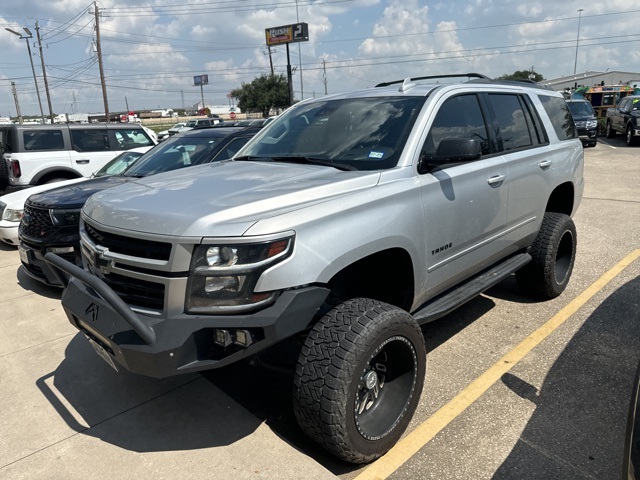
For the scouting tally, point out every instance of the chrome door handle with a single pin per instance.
(82, 161)
(545, 164)
(496, 180)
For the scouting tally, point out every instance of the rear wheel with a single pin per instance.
(54, 180)
(553, 255)
(359, 378)
(630, 138)
(609, 132)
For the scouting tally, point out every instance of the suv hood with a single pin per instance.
(222, 198)
(74, 196)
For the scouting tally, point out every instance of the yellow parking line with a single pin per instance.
(418, 438)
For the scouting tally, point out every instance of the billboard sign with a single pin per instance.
(298, 32)
(200, 80)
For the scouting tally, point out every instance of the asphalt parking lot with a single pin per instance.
(514, 388)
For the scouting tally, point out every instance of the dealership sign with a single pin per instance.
(200, 80)
(298, 32)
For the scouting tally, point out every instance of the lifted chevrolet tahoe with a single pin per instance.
(344, 225)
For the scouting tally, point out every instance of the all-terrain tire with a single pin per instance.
(553, 255)
(359, 378)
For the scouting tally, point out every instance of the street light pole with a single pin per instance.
(575, 65)
(33, 70)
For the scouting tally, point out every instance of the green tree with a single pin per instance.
(263, 94)
(523, 75)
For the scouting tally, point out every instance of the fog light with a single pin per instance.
(244, 338)
(59, 250)
(222, 337)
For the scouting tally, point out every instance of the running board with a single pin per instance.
(448, 302)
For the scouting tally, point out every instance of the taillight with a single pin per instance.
(15, 168)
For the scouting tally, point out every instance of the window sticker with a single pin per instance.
(376, 154)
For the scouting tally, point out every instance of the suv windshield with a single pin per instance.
(177, 152)
(363, 133)
(580, 109)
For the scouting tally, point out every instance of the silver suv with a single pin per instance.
(344, 225)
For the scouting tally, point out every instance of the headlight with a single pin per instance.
(11, 215)
(62, 218)
(223, 277)
(592, 123)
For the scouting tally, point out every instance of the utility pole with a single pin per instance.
(324, 75)
(33, 70)
(15, 98)
(299, 58)
(99, 52)
(44, 73)
(270, 59)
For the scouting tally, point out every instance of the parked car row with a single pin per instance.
(49, 220)
(12, 204)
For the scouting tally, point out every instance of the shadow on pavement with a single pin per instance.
(31, 285)
(578, 427)
(138, 413)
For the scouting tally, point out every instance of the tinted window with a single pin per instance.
(459, 117)
(89, 140)
(231, 148)
(126, 138)
(560, 116)
(513, 122)
(43, 140)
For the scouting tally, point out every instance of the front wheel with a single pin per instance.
(553, 255)
(359, 378)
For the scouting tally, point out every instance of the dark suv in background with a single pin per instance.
(586, 121)
(51, 219)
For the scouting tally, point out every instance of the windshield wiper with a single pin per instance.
(300, 159)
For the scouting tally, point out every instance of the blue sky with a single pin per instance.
(153, 48)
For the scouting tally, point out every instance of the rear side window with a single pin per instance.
(517, 128)
(43, 140)
(126, 138)
(89, 140)
(560, 116)
(231, 148)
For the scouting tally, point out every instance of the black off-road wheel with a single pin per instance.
(359, 378)
(609, 132)
(553, 255)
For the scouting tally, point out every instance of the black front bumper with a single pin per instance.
(159, 347)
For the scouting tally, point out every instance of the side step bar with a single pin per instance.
(449, 301)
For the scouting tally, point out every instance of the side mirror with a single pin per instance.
(451, 150)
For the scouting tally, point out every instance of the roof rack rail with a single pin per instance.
(429, 77)
(523, 82)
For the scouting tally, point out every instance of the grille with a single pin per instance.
(129, 246)
(137, 293)
(36, 222)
